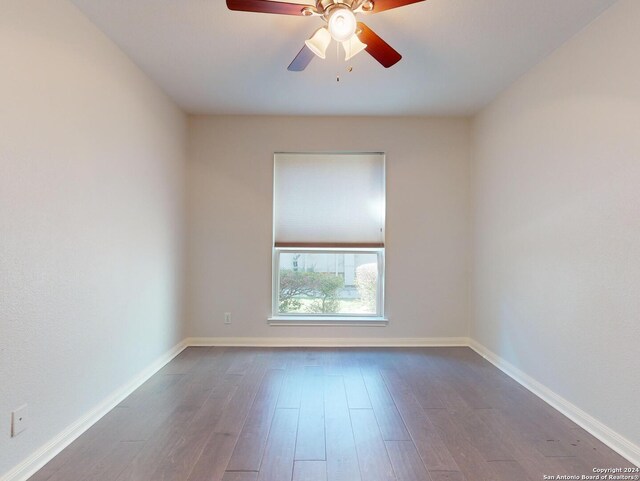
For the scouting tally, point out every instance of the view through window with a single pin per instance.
(328, 283)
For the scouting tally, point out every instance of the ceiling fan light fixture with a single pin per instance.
(353, 47)
(319, 42)
(342, 24)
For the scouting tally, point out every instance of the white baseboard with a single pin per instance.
(608, 436)
(328, 342)
(47, 452)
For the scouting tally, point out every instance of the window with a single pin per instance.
(328, 237)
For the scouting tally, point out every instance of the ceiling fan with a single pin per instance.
(341, 26)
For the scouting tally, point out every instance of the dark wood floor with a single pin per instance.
(245, 414)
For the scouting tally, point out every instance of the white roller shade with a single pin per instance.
(329, 199)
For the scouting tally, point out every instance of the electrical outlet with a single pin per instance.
(18, 420)
(227, 318)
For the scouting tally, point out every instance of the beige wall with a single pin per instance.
(91, 187)
(230, 211)
(557, 222)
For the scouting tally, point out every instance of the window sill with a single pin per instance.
(328, 321)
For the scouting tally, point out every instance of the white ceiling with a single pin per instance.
(458, 54)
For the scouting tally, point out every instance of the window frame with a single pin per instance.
(284, 319)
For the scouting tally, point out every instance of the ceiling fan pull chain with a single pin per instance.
(337, 62)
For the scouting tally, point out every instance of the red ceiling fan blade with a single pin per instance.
(304, 58)
(376, 47)
(267, 6)
(382, 5)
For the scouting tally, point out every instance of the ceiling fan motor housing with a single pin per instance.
(327, 5)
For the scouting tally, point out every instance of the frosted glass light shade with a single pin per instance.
(342, 24)
(319, 42)
(353, 47)
(329, 199)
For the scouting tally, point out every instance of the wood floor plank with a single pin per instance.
(541, 422)
(372, 453)
(342, 459)
(448, 476)
(144, 423)
(469, 460)
(418, 370)
(332, 362)
(214, 458)
(509, 470)
(164, 441)
(431, 447)
(437, 389)
(240, 476)
(152, 407)
(244, 360)
(179, 462)
(249, 449)
(213, 368)
(237, 411)
(486, 441)
(523, 450)
(310, 471)
(554, 448)
(214, 407)
(291, 392)
(115, 462)
(312, 357)
(212, 463)
(406, 461)
(277, 462)
(497, 388)
(310, 442)
(391, 424)
(464, 382)
(180, 459)
(357, 395)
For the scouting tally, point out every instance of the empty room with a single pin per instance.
(319, 240)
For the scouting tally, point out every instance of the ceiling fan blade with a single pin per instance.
(376, 47)
(304, 58)
(382, 5)
(267, 6)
